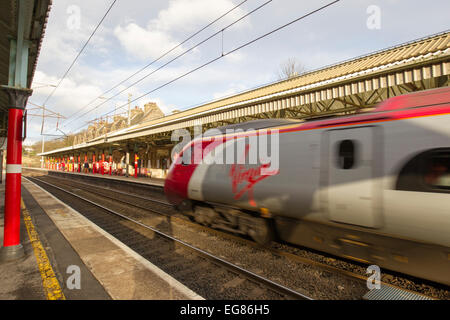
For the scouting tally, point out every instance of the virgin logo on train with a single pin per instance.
(248, 177)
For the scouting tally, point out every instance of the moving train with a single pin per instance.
(373, 187)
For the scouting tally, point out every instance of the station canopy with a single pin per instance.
(342, 88)
(16, 15)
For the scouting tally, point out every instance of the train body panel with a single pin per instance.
(243, 185)
(358, 186)
(419, 212)
(368, 199)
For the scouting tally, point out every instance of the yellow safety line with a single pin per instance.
(49, 281)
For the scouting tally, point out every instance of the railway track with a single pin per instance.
(351, 271)
(210, 276)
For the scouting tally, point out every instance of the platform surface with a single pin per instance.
(108, 269)
(19, 279)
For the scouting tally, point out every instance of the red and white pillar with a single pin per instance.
(13, 178)
(103, 164)
(135, 165)
(12, 248)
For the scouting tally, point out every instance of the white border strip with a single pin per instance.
(13, 168)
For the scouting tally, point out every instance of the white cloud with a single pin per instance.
(62, 44)
(181, 16)
(189, 15)
(144, 43)
(70, 97)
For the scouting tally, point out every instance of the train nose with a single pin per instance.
(175, 185)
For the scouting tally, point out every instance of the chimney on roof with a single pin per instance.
(135, 111)
(149, 106)
(152, 111)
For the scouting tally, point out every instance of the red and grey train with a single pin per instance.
(373, 186)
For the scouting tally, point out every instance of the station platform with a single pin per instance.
(69, 257)
(143, 180)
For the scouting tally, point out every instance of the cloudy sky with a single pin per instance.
(136, 32)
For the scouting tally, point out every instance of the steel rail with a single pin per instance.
(123, 193)
(248, 274)
(241, 240)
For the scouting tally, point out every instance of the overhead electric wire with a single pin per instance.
(175, 58)
(159, 58)
(224, 55)
(79, 53)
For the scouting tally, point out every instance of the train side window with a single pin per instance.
(426, 172)
(437, 171)
(346, 154)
